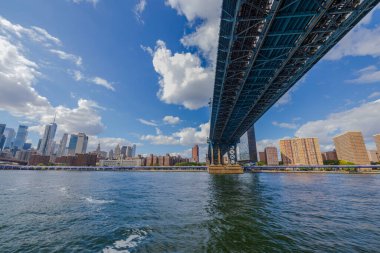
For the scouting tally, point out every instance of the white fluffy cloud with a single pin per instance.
(19, 35)
(364, 118)
(19, 97)
(183, 80)
(171, 120)
(370, 74)
(186, 136)
(34, 33)
(205, 36)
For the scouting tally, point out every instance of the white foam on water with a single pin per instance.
(124, 245)
(97, 201)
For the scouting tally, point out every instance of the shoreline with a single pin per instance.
(97, 169)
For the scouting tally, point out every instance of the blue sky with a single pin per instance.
(142, 72)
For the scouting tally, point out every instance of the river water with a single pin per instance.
(49, 211)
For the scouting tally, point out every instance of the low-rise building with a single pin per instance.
(329, 156)
(373, 156)
(39, 160)
(131, 162)
(271, 155)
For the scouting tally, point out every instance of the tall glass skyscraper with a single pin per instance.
(21, 135)
(9, 134)
(72, 144)
(47, 140)
(2, 128)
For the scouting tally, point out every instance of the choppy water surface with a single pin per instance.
(188, 212)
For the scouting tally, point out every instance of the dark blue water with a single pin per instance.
(188, 212)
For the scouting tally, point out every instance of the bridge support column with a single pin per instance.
(231, 168)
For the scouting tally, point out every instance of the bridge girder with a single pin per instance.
(264, 48)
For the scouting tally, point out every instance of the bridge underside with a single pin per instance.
(265, 47)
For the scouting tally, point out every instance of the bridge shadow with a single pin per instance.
(239, 217)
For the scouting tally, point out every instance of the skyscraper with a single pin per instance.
(123, 152)
(2, 141)
(252, 144)
(2, 128)
(129, 151)
(350, 147)
(81, 147)
(72, 144)
(134, 150)
(62, 145)
(195, 153)
(21, 135)
(242, 148)
(47, 139)
(2, 136)
(117, 152)
(9, 134)
(301, 151)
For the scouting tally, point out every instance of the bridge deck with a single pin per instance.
(265, 47)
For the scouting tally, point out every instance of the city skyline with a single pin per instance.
(98, 89)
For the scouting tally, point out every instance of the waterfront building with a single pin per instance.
(271, 155)
(301, 151)
(195, 153)
(373, 156)
(62, 145)
(37, 159)
(24, 155)
(130, 162)
(72, 144)
(81, 147)
(168, 161)
(350, 147)
(329, 156)
(9, 134)
(377, 141)
(262, 157)
(160, 161)
(77, 160)
(45, 147)
(21, 135)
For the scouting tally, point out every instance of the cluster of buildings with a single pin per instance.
(72, 151)
(349, 147)
(123, 158)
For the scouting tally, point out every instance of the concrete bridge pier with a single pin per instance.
(216, 160)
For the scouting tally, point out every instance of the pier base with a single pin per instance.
(225, 169)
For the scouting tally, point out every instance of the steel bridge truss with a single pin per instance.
(265, 47)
